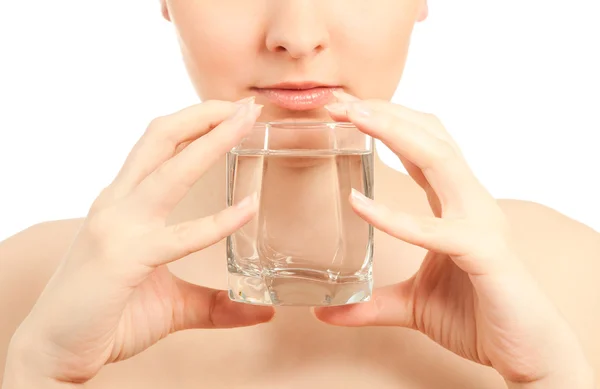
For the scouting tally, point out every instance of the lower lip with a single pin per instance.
(299, 99)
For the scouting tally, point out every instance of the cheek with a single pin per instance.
(217, 51)
(375, 47)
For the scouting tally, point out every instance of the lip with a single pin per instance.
(299, 96)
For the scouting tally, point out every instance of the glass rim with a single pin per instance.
(313, 124)
(338, 136)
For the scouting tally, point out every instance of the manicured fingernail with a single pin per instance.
(343, 96)
(337, 108)
(257, 109)
(246, 100)
(247, 201)
(361, 198)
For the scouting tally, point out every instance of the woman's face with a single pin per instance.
(292, 53)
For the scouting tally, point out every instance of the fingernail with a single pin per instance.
(337, 108)
(247, 201)
(246, 100)
(361, 198)
(257, 109)
(343, 96)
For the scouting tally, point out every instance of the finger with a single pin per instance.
(344, 97)
(177, 241)
(429, 122)
(389, 306)
(202, 307)
(342, 115)
(171, 181)
(446, 171)
(395, 109)
(382, 105)
(431, 233)
(475, 248)
(165, 135)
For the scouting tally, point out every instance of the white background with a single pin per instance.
(516, 83)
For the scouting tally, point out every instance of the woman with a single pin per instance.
(460, 275)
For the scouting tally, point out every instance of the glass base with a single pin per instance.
(298, 291)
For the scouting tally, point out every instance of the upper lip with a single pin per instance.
(303, 85)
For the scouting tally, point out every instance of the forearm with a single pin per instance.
(21, 372)
(580, 377)
(17, 376)
(17, 381)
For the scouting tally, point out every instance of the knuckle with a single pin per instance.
(107, 239)
(216, 221)
(442, 152)
(388, 121)
(101, 237)
(221, 221)
(100, 226)
(185, 238)
(183, 232)
(162, 175)
(157, 125)
(104, 198)
(165, 177)
(158, 134)
(484, 238)
(428, 227)
(431, 118)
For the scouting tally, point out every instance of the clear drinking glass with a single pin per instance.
(305, 246)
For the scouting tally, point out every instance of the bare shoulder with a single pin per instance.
(564, 257)
(540, 229)
(563, 253)
(27, 261)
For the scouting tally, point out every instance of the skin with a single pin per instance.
(472, 291)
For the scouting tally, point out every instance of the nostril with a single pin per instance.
(297, 48)
(316, 50)
(300, 53)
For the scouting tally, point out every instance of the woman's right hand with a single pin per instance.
(112, 296)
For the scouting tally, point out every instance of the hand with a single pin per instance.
(112, 296)
(471, 294)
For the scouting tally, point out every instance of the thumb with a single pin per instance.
(389, 306)
(202, 307)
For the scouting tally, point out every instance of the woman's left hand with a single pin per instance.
(472, 295)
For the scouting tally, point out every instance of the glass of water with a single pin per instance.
(305, 245)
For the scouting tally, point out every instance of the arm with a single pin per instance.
(514, 289)
(112, 296)
(18, 374)
(581, 377)
(571, 252)
(27, 260)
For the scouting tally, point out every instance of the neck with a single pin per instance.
(207, 196)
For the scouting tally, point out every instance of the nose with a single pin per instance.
(297, 28)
